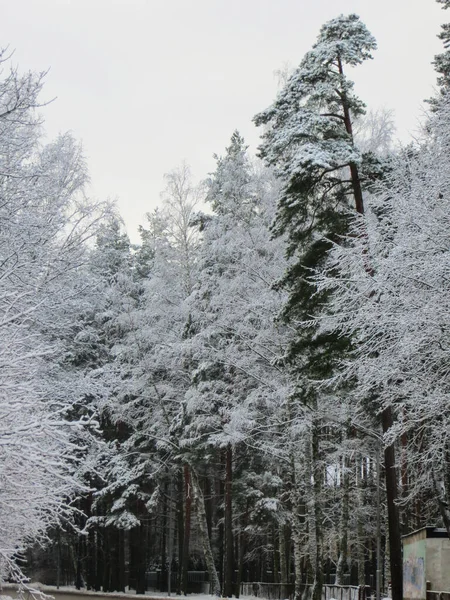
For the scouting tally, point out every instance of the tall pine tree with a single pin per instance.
(309, 141)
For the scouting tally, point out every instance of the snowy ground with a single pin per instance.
(67, 593)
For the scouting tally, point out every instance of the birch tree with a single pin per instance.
(45, 222)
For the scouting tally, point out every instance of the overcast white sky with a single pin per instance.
(147, 83)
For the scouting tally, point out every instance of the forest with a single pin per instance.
(258, 391)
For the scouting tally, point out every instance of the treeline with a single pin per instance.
(258, 390)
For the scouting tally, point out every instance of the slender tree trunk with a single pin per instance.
(359, 525)
(171, 537)
(114, 559)
(284, 579)
(187, 528)
(137, 558)
(163, 582)
(242, 549)
(342, 566)
(91, 566)
(209, 504)
(395, 542)
(221, 526)
(79, 578)
(117, 573)
(180, 527)
(199, 504)
(90, 547)
(121, 560)
(297, 538)
(298, 530)
(229, 559)
(58, 558)
(276, 555)
(404, 477)
(100, 560)
(106, 561)
(315, 514)
(395, 546)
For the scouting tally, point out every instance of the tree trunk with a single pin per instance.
(187, 528)
(395, 546)
(209, 504)
(180, 527)
(242, 547)
(354, 174)
(395, 542)
(342, 566)
(90, 547)
(284, 578)
(316, 513)
(229, 562)
(276, 555)
(100, 552)
(163, 582)
(137, 558)
(199, 504)
(404, 479)
(78, 577)
(106, 560)
(221, 518)
(121, 560)
(299, 540)
(359, 525)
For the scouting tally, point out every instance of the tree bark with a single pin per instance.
(276, 555)
(316, 513)
(163, 582)
(121, 560)
(106, 585)
(359, 525)
(187, 528)
(342, 566)
(395, 542)
(229, 558)
(100, 560)
(354, 174)
(395, 546)
(284, 579)
(297, 538)
(78, 577)
(242, 547)
(199, 504)
(180, 527)
(137, 558)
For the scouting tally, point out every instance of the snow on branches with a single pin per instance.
(390, 284)
(45, 222)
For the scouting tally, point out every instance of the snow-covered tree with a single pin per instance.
(400, 325)
(45, 223)
(238, 383)
(442, 61)
(309, 140)
(150, 371)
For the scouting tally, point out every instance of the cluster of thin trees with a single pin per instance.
(259, 389)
